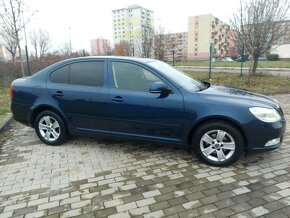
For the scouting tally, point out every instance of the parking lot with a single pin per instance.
(95, 177)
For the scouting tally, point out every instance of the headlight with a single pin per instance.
(265, 114)
(277, 103)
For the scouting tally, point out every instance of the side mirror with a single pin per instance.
(159, 87)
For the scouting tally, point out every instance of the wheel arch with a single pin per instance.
(215, 119)
(42, 108)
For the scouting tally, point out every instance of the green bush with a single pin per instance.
(272, 57)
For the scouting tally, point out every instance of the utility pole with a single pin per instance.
(210, 60)
(173, 57)
(242, 58)
(26, 49)
(70, 49)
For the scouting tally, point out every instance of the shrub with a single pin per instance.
(272, 57)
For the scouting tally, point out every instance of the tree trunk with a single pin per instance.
(21, 61)
(36, 52)
(255, 64)
(13, 58)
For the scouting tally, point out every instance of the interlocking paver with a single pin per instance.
(93, 177)
(126, 207)
(48, 205)
(140, 211)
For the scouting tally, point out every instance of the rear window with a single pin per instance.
(90, 73)
(61, 75)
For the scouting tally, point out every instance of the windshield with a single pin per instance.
(177, 76)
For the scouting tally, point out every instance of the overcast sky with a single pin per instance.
(89, 19)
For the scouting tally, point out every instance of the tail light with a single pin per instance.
(11, 91)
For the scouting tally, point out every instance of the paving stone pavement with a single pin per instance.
(93, 177)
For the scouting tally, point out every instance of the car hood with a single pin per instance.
(233, 95)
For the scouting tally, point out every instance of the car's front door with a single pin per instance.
(136, 112)
(81, 90)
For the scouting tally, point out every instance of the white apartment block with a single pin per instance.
(129, 22)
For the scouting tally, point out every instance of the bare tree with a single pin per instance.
(34, 38)
(40, 41)
(10, 44)
(10, 21)
(259, 24)
(161, 43)
(107, 49)
(65, 49)
(122, 48)
(44, 42)
(144, 41)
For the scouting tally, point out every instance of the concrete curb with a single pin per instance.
(6, 123)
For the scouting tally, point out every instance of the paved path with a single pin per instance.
(91, 177)
(285, 72)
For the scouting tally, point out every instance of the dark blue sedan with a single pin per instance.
(149, 100)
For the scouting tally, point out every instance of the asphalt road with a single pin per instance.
(271, 71)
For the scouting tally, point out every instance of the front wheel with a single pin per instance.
(218, 143)
(50, 128)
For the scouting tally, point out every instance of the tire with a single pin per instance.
(50, 128)
(218, 143)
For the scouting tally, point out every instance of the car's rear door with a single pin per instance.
(135, 112)
(81, 90)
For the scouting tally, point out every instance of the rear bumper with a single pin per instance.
(21, 113)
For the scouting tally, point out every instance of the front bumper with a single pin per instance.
(264, 136)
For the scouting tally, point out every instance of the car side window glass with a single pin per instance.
(60, 75)
(87, 73)
(132, 77)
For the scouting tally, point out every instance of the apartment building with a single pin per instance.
(100, 46)
(128, 23)
(282, 44)
(177, 43)
(204, 30)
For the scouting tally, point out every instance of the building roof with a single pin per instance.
(132, 7)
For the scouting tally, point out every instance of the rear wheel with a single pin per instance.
(218, 143)
(50, 128)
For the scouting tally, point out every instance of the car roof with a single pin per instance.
(70, 60)
(143, 60)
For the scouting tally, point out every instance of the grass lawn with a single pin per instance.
(262, 64)
(4, 103)
(264, 84)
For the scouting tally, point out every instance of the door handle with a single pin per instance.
(58, 93)
(118, 99)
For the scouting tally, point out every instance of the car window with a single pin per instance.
(132, 77)
(178, 77)
(87, 73)
(60, 75)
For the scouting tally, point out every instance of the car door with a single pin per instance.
(136, 112)
(81, 91)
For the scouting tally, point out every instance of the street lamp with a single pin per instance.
(70, 51)
(173, 53)
(26, 49)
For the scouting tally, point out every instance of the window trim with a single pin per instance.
(139, 65)
(105, 78)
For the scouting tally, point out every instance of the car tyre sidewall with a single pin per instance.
(232, 130)
(63, 132)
